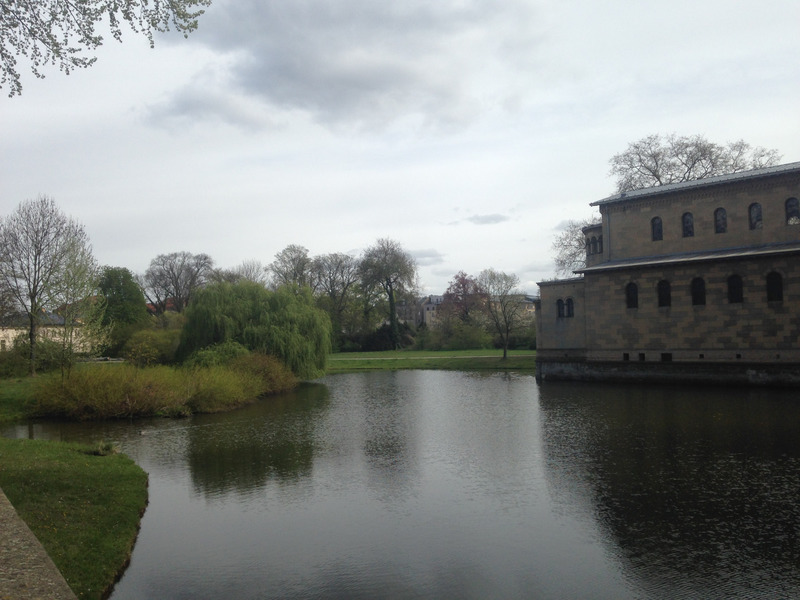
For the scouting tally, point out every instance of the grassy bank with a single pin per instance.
(84, 508)
(14, 393)
(489, 360)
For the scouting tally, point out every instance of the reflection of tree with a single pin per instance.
(697, 488)
(388, 429)
(270, 440)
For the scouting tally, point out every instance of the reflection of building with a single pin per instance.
(702, 274)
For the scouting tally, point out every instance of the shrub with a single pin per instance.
(274, 375)
(15, 362)
(112, 391)
(218, 354)
(149, 347)
(117, 391)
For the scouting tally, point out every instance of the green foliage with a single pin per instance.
(275, 377)
(149, 347)
(218, 354)
(126, 309)
(284, 323)
(123, 391)
(15, 362)
(456, 335)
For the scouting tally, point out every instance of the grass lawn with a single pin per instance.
(84, 508)
(467, 360)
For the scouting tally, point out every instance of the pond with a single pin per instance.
(433, 484)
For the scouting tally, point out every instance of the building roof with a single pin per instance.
(691, 257)
(699, 183)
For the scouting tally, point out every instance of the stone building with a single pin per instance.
(695, 281)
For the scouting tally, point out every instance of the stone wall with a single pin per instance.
(751, 330)
(787, 375)
(627, 225)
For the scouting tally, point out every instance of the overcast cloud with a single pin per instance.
(469, 131)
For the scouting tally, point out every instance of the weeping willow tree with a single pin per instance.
(284, 323)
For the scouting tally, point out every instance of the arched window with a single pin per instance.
(735, 290)
(792, 211)
(600, 244)
(720, 220)
(593, 245)
(687, 221)
(560, 308)
(698, 291)
(774, 287)
(569, 306)
(656, 230)
(631, 296)
(755, 215)
(664, 293)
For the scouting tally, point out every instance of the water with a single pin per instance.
(426, 484)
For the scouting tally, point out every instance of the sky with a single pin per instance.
(469, 131)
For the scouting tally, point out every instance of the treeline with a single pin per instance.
(297, 308)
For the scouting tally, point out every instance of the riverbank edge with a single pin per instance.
(26, 570)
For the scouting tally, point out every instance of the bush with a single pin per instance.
(274, 375)
(15, 362)
(123, 391)
(149, 347)
(218, 354)
(112, 391)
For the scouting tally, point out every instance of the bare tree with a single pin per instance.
(569, 246)
(171, 279)
(292, 266)
(505, 304)
(661, 160)
(40, 247)
(248, 270)
(387, 266)
(335, 277)
(58, 32)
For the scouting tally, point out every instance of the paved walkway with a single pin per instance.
(26, 571)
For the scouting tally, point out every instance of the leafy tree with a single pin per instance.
(505, 305)
(660, 160)
(388, 267)
(569, 246)
(126, 308)
(172, 279)
(60, 32)
(41, 251)
(292, 266)
(81, 306)
(282, 323)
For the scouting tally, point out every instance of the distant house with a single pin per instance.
(18, 325)
(428, 310)
(695, 281)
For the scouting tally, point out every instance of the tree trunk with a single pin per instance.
(32, 342)
(393, 328)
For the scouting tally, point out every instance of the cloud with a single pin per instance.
(370, 63)
(427, 257)
(487, 219)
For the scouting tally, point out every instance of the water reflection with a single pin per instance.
(272, 440)
(436, 484)
(696, 490)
